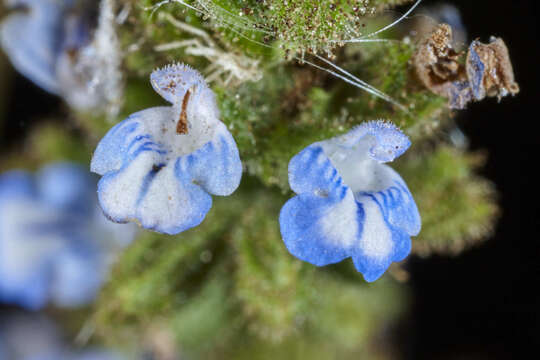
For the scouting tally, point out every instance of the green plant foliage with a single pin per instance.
(300, 102)
(231, 285)
(305, 105)
(383, 4)
(314, 26)
(229, 288)
(457, 207)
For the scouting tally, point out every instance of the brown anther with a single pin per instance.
(182, 125)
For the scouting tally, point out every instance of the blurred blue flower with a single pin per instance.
(55, 244)
(92, 354)
(25, 336)
(160, 165)
(68, 48)
(349, 203)
(35, 337)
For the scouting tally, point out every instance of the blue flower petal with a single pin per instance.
(216, 167)
(159, 174)
(50, 241)
(27, 255)
(78, 275)
(321, 230)
(28, 288)
(23, 277)
(16, 184)
(398, 205)
(153, 194)
(33, 50)
(111, 151)
(380, 243)
(310, 171)
(67, 186)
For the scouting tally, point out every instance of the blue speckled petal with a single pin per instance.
(321, 230)
(388, 141)
(173, 81)
(153, 194)
(398, 204)
(143, 181)
(216, 167)
(33, 50)
(111, 152)
(380, 243)
(310, 171)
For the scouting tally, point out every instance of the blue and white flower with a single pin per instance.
(349, 203)
(68, 48)
(160, 165)
(55, 243)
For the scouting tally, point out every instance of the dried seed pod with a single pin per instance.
(436, 62)
(487, 70)
(442, 13)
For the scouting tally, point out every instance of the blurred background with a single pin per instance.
(480, 304)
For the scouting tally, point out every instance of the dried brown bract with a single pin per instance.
(436, 62)
(495, 76)
(487, 70)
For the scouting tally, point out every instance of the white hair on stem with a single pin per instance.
(362, 84)
(239, 68)
(246, 24)
(194, 47)
(251, 25)
(391, 25)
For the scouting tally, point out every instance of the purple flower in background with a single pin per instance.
(349, 203)
(55, 244)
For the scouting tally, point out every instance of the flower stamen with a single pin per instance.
(181, 127)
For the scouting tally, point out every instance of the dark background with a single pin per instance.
(482, 304)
